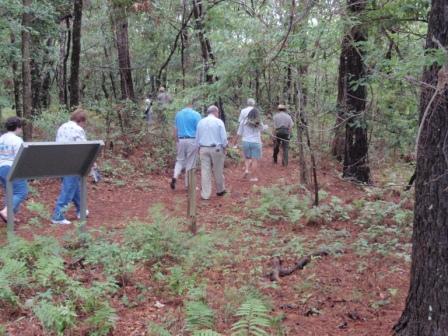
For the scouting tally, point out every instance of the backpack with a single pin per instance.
(253, 119)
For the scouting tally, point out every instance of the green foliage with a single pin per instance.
(157, 330)
(276, 203)
(55, 317)
(253, 319)
(206, 333)
(198, 316)
(103, 320)
(49, 121)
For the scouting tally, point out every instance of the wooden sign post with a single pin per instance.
(191, 211)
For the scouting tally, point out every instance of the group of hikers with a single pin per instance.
(194, 135)
(208, 138)
(10, 143)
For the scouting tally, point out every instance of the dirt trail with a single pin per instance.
(339, 300)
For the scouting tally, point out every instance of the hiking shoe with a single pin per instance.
(61, 222)
(173, 183)
(78, 215)
(222, 193)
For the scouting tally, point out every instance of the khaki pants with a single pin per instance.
(212, 159)
(186, 157)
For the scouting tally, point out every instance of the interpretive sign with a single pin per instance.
(37, 160)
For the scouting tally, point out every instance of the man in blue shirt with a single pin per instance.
(186, 122)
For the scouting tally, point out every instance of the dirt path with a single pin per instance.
(335, 295)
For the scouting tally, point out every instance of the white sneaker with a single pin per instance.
(79, 215)
(61, 222)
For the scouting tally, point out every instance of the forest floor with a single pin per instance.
(358, 289)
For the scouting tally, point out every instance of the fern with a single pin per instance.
(103, 320)
(254, 319)
(207, 332)
(157, 330)
(199, 316)
(55, 318)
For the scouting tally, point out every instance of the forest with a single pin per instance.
(348, 238)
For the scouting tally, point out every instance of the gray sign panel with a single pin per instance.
(51, 159)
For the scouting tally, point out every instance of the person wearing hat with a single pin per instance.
(10, 143)
(282, 133)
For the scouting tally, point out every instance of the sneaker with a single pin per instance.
(61, 222)
(222, 193)
(254, 179)
(173, 183)
(78, 215)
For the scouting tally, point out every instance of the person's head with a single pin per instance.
(79, 116)
(253, 118)
(251, 102)
(13, 124)
(161, 89)
(214, 110)
(281, 107)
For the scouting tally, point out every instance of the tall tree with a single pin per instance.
(352, 96)
(27, 105)
(120, 26)
(208, 57)
(426, 311)
(76, 53)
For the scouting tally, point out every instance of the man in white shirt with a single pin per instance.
(211, 137)
(245, 111)
(71, 131)
(10, 143)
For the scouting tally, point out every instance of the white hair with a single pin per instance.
(251, 102)
(212, 109)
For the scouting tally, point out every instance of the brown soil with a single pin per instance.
(333, 295)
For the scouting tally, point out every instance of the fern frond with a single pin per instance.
(254, 319)
(199, 316)
(207, 332)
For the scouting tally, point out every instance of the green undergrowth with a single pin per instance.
(294, 204)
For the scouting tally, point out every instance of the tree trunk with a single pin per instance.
(120, 24)
(76, 53)
(26, 72)
(300, 123)
(352, 101)
(16, 82)
(426, 311)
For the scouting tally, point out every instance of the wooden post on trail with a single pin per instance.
(191, 210)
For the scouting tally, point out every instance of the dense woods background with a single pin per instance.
(358, 76)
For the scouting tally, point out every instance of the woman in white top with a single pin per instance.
(10, 143)
(249, 130)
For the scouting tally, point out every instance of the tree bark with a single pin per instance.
(352, 101)
(120, 25)
(16, 81)
(76, 53)
(26, 72)
(426, 311)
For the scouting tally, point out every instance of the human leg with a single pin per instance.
(69, 186)
(180, 162)
(20, 191)
(206, 173)
(276, 147)
(218, 158)
(285, 149)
